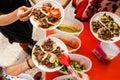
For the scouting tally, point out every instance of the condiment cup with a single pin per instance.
(72, 42)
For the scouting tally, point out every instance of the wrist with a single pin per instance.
(15, 14)
(28, 63)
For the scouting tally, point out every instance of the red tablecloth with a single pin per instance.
(99, 70)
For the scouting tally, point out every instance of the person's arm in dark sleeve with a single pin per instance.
(22, 13)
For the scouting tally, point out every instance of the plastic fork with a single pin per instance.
(65, 60)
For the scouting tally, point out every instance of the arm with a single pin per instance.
(22, 13)
(117, 12)
(83, 76)
(17, 69)
(65, 3)
(6, 19)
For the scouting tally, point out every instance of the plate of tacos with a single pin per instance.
(46, 52)
(105, 27)
(47, 14)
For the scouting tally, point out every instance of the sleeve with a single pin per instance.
(27, 3)
(1, 12)
(2, 71)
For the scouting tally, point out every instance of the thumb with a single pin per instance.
(27, 12)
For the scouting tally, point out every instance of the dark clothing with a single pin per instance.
(18, 31)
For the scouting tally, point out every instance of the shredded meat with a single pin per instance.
(47, 62)
(38, 53)
(48, 45)
(38, 14)
(96, 25)
(43, 17)
(52, 19)
(42, 57)
(44, 24)
(106, 27)
(58, 51)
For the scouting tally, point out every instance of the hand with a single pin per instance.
(78, 1)
(82, 75)
(117, 12)
(24, 13)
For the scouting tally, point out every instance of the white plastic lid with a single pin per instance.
(110, 49)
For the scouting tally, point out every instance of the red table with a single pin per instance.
(99, 70)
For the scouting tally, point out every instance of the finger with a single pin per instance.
(75, 78)
(30, 12)
(24, 18)
(23, 14)
(24, 8)
(84, 76)
(26, 13)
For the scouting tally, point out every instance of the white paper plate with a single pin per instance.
(116, 19)
(56, 5)
(63, 77)
(59, 43)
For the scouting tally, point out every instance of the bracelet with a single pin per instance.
(28, 64)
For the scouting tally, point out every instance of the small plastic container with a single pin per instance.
(82, 60)
(106, 51)
(70, 24)
(63, 77)
(72, 42)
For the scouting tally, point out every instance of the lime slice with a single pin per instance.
(52, 59)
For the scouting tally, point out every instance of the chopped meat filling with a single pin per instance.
(38, 14)
(48, 45)
(96, 25)
(43, 16)
(106, 27)
(49, 58)
(44, 24)
(58, 51)
(53, 19)
(38, 53)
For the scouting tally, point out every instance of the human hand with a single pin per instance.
(82, 75)
(24, 13)
(117, 12)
